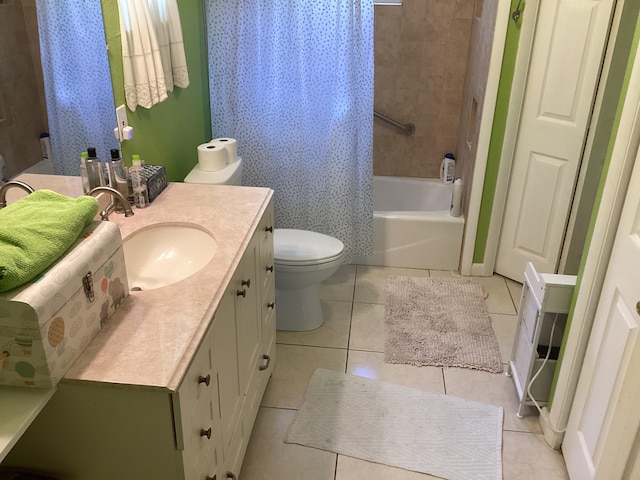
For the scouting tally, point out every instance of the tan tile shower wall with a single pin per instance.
(420, 64)
(22, 116)
(482, 33)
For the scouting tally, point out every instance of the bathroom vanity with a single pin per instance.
(171, 385)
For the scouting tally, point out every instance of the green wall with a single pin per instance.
(497, 132)
(168, 133)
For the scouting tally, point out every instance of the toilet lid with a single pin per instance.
(292, 246)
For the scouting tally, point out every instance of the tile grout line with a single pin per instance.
(346, 363)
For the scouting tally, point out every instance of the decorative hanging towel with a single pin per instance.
(166, 19)
(153, 55)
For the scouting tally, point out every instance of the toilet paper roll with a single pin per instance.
(230, 144)
(212, 157)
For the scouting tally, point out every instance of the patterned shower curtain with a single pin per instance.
(292, 81)
(77, 82)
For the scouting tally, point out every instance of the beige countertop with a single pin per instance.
(151, 338)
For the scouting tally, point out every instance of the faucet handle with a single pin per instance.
(10, 184)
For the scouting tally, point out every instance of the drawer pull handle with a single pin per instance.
(242, 293)
(206, 380)
(232, 476)
(271, 305)
(246, 283)
(266, 365)
(209, 477)
(269, 229)
(206, 433)
(270, 268)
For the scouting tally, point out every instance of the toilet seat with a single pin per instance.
(294, 247)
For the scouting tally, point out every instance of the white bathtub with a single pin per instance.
(412, 226)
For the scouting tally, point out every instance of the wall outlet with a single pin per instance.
(123, 123)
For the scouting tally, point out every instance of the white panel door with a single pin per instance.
(602, 438)
(569, 45)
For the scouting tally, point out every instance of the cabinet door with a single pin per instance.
(248, 325)
(225, 361)
(265, 271)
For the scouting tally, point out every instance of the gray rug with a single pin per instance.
(440, 322)
(399, 426)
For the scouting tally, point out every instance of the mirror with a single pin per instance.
(82, 112)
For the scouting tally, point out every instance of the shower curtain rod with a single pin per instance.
(406, 128)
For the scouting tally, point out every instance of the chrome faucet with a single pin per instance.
(7, 186)
(111, 207)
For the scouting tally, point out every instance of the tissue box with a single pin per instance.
(47, 323)
(156, 178)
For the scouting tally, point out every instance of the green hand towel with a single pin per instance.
(36, 230)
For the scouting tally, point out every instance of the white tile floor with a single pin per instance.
(352, 340)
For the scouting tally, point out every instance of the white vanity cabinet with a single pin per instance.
(256, 332)
(544, 307)
(200, 431)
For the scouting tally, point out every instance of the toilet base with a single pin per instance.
(299, 309)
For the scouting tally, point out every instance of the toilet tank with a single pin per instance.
(229, 175)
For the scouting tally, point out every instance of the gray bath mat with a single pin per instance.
(400, 426)
(440, 322)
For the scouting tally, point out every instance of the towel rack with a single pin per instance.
(406, 128)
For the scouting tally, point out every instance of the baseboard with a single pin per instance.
(480, 270)
(551, 436)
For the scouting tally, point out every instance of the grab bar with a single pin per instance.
(406, 128)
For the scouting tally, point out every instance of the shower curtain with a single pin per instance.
(77, 82)
(292, 81)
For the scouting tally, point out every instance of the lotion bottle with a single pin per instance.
(117, 175)
(456, 199)
(83, 172)
(95, 171)
(45, 147)
(3, 178)
(448, 168)
(138, 183)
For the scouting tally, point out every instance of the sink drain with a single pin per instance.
(136, 289)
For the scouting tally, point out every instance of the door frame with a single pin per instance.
(516, 100)
(627, 142)
(503, 17)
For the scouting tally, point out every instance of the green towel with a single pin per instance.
(36, 230)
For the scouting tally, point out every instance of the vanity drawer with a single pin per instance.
(198, 424)
(212, 462)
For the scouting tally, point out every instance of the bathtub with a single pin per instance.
(411, 225)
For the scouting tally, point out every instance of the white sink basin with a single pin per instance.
(165, 254)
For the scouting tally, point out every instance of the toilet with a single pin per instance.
(229, 175)
(302, 260)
